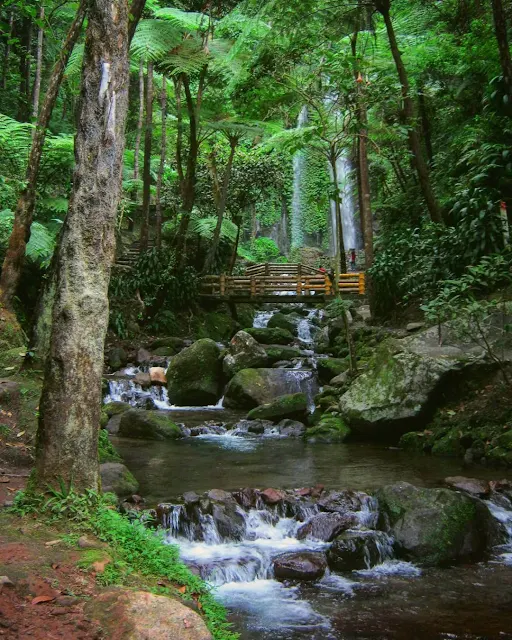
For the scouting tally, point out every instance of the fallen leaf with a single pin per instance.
(55, 565)
(161, 583)
(4, 479)
(18, 435)
(51, 543)
(11, 490)
(39, 599)
(182, 589)
(99, 566)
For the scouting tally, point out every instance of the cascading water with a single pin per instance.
(299, 167)
(351, 238)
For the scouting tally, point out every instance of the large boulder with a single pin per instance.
(139, 615)
(305, 565)
(194, 376)
(271, 336)
(117, 358)
(329, 368)
(244, 352)
(329, 429)
(356, 550)
(252, 387)
(116, 478)
(326, 526)
(294, 406)
(435, 526)
(148, 425)
(280, 321)
(291, 428)
(279, 353)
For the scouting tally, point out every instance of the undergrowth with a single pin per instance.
(137, 551)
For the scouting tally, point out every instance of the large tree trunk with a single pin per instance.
(383, 7)
(20, 235)
(39, 66)
(161, 168)
(67, 439)
(25, 40)
(212, 252)
(341, 258)
(140, 122)
(500, 28)
(146, 174)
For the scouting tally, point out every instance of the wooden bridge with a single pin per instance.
(277, 282)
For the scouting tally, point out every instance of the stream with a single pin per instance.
(382, 597)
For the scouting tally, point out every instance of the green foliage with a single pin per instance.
(40, 246)
(261, 250)
(106, 450)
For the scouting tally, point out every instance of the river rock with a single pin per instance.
(244, 352)
(473, 486)
(414, 326)
(329, 429)
(355, 550)
(229, 521)
(271, 336)
(272, 496)
(281, 353)
(250, 388)
(195, 375)
(329, 368)
(280, 321)
(157, 376)
(148, 425)
(176, 344)
(143, 379)
(326, 526)
(306, 566)
(117, 358)
(343, 501)
(143, 356)
(294, 405)
(116, 478)
(435, 526)
(291, 428)
(140, 615)
(116, 408)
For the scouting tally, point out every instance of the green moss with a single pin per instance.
(106, 450)
(504, 441)
(90, 557)
(288, 406)
(115, 408)
(280, 321)
(148, 425)
(330, 429)
(276, 353)
(416, 441)
(329, 368)
(449, 530)
(11, 361)
(449, 445)
(164, 351)
(271, 336)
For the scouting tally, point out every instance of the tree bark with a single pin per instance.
(341, 258)
(425, 126)
(7, 53)
(67, 438)
(383, 7)
(140, 122)
(39, 66)
(210, 258)
(25, 40)
(161, 168)
(235, 248)
(146, 175)
(20, 235)
(500, 28)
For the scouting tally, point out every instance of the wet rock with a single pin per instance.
(190, 497)
(143, 379)
(414, 326)
(273, 496)
(218, 495)
(472, 486)
(244, 352)
(247, 498)
(175, 344)
(157, 376)
(117, 358)
(116, 478)
(250, 388)
(112, 425)
(281, 353)
(294, 405)
(148, 425)
(195, 375)
(341, 380)
(229, 521)
(143, 356)
(115, 408)
(355, 550)
(271, 336)
(139, 615)
(342, 501)
(291, 428)
(329, 368)
(326, 526)
(435, 526)
(305, 566)
(329, 429)
(280, 321)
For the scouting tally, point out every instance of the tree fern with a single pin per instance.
(153, 39)
(41, 244)
(183, 20)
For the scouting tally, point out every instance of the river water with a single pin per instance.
(386, 599)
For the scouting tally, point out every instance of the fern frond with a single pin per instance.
(205, 227)
(154, 39)
(189, 57)
(183, 20)
(74, 66)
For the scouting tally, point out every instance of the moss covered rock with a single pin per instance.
(176, 344)
(11, 361)
(435, 526)
(148, 425)
(194, 377)
(271, 336)
(244, 352)
(115, 408)
(329, 429)
(280, 321)
(329, 368)
(279, 353)
(250, 388)
(293, 406)
(116, 478)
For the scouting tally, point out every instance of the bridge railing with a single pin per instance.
(264, 285)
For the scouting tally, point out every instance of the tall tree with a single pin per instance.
(20, 235)
(408, 115)
(146, 174)
(67, 439)
(36, 92)
(161, 168)
(500, 28)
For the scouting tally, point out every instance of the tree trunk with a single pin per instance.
(163, 150)
(341, 258)
(235, 249)
(140, 122)
(146, 176)
(425, 127)
(39, 66)
(500, 28)
(20, 235)
(210, 258)
(67, 438)
(25, 40)
(7, 53)
(383, 7)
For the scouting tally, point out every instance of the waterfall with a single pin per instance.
(348, 207)
(299, 167)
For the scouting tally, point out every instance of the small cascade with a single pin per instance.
(299, 168)
(261, 318)
(306, 327)
(500, 507)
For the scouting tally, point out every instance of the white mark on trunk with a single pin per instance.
(105, 78)
(111, 118)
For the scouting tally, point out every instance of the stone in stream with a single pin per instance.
(280, 321)
(281, 353)
(116, 408)
(272, 496)
(306, 566)
(157, 376)
(148, 425)
(329, 429)
(326, 526)
(139, 615)
(194, 376)
(143, 379)
(244, 352)
(355, 550)
(291, 428)
(473, 486)
(117, 358)
(294, 405)
(343, 501)
(250, 388)
(329, 368)
(271, 336)
(116, 478)
(176, 344)
(435, 526)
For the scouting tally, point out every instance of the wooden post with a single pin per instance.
(267, 269)
(308, 286)
(253, 286)
(362, 284)
(327, 285)
(222, 284)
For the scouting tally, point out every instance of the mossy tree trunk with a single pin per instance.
(500, 28)
(67, 439)
(161, 168)
(146, 173)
